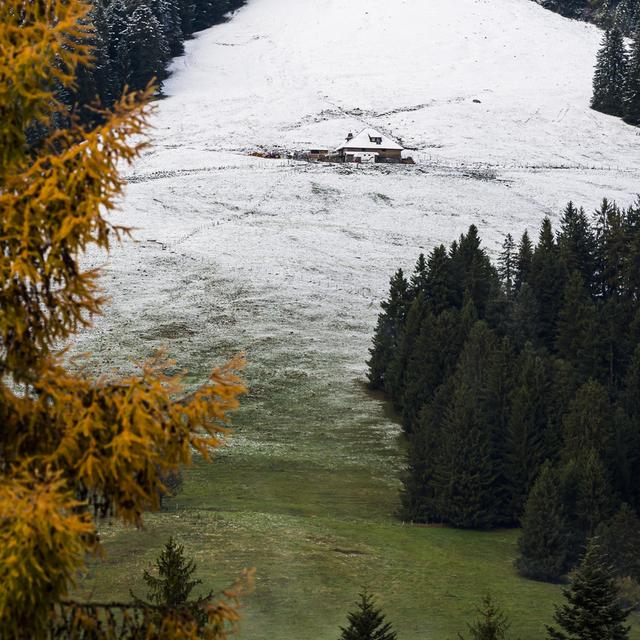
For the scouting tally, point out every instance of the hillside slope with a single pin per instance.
(289, 260)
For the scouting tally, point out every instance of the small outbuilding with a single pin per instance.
(369, 146)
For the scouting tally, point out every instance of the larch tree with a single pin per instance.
(73, 448)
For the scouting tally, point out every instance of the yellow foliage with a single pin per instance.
(71, 447)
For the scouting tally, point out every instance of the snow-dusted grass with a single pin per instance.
(289, 260)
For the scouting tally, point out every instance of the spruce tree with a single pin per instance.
(545, 539)
(577, 329)
(491, 623)
(418, 282)
(388, 330)
(143, 49)
(526, 443)
(523, 261)
(442, 292)
(546, 281)
(173, 584)
(632, 83)
(619, 538)
(592, 611)
(508, 264)
(394, 383)
(610, 74)
(367, 622)
(577, 245)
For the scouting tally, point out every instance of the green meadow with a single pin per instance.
(307, 492)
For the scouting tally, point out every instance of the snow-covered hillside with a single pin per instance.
(302, 74)
(289, 260)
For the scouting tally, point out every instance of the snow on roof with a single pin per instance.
(370, 139)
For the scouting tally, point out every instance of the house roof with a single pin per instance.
(364, 141)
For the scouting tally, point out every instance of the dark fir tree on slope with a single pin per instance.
(491, 623)
(592, 611)
(367, 622)
(499, 371)
(632, 84)
(610, 75)
(174, 583)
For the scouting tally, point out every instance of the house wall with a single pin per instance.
(383, 153)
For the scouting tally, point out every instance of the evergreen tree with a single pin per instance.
(367, 622)
(610, 74)
(432, 359)
(526, 446)
(491, 624)
(173, 584)
(442, 292)
(508, 265)
(418, 282)
(619, 539)
(143, 51)
(394, 381)
(632, 83)
(577, 245)
(388, 330)
(547, 283)
(522, 322)
(587, 423)
(468, 477)
(577, 332)
(545, 539)
(592, 611)
(523, 261)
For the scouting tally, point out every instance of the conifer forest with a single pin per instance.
(319, 320)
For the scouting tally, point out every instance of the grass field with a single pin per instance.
(307, 493)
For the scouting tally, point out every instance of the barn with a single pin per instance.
(369, 146)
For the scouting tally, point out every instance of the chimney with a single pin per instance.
(349, 136)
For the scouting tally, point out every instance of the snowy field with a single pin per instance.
(325, 237)
(289, 260)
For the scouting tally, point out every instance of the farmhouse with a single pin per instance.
(369, 146)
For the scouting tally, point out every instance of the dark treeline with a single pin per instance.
(518, 383)
(624, 13)
(134, 41)
(616, 81)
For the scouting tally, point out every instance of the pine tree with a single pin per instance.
(632, 83)
(610, 74)
(592, 611)
(491, 624)
(367, 622)
(545, 539)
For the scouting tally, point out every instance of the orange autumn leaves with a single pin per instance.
(71, 447)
